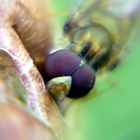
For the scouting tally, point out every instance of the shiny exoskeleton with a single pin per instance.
(98, 35)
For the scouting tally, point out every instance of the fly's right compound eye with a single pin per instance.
(61, 63)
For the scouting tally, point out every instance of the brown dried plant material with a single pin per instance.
(15, 124)
(10, 85)
(13, 43)
(34, 33)
(12, 96)
(28, 73)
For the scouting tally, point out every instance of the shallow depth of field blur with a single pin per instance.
(113, 113)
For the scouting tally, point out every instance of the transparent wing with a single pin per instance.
(123, 8)
(117, 8)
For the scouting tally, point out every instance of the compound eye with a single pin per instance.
(61, 63)
(83, 80)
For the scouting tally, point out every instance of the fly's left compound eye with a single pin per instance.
(83, 80)
(66, 63)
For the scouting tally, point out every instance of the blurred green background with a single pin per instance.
(113, 113)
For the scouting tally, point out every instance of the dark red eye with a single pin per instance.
(83, 80)
(61, 63)
(66, 63)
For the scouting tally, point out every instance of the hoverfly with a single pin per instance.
(97, 31)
